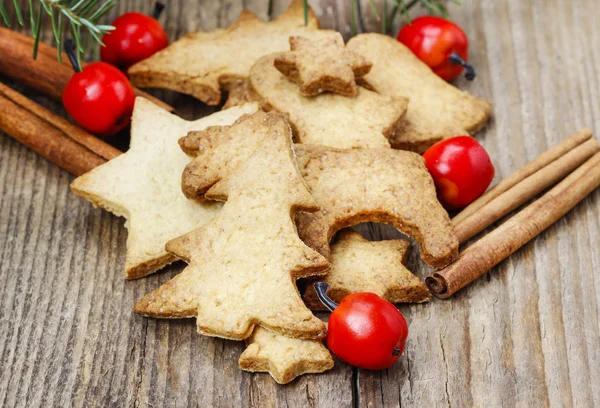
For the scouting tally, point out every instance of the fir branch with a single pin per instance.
(65, 15)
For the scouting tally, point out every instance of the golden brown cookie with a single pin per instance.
(243, 264)
(143, 185)
(203, 64)
(285, 358)
(237, 94)
(437, 110)
(374, 185)
(322, 65)
(367, 120)
(360, 265)
(351, 186)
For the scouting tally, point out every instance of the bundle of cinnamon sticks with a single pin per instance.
(574, 164)
(572, 167)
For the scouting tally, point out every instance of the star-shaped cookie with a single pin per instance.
(285, 358)
(437, 110)
(374, 185)
(322, 65)
(203, 64)
(242, 265)
(144, 185)
(360, 265)
(367, 120)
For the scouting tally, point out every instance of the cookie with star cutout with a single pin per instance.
(144, 185)
(322, 65)
(285, 358)
(242, 265)
(360, 265)
(374, 185)
(204, 64)
(437, 109)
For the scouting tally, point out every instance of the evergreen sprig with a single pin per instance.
(81, 17)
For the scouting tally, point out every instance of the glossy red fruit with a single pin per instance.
(439, 43)
(100, 99)
(136, 37)
(365, 330)
(461, 170)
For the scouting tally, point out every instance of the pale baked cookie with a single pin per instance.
(244, 263)
(143, 185)
(360, 265)
(367, 120)
(322, 65)
(374, 185)
(285, 358)
(437, 110)
(203, 64)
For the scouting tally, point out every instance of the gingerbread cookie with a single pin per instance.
(367, 120)
(285, 358)
(437, 110)
(374, 185)
(242, 266)
(204, 64)
(322, 65)
(143, 185)
(360, 265)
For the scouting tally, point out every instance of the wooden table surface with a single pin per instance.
(526, 334)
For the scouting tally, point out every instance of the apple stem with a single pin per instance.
(69, 49)
(469, 70)
(159, 6)
(321, 289)
(396, 352)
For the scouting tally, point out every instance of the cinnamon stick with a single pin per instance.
(525, 190)
(47, 134)
(533, 166)
(517, 231)
(76, 133)
(44, 74)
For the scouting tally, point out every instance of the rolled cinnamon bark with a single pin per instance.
(45, 138)
(76, 133)
(533, 166)
(525, 190)
(44, 74)
(517, 231)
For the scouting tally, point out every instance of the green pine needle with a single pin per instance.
(66, 15)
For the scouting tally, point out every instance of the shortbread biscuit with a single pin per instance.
(367, 120)
(204, 64)
(143, 185)
(360, 265)
(285, 358)
(374, 185)
(244, 263)
(237, 94)
(437, 110)
(351, 186)
(322, 65)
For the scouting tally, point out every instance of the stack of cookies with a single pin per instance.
(251, 196)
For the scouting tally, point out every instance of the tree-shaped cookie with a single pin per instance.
(437, 110)
(243, 264)
(360, 265)
(367, 120)
(285, 358)
(322, 65)
(202, 64)
(143, 185)
(374, 185)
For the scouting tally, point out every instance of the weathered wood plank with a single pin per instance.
(528, 333)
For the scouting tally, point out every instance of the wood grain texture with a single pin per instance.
(526, 334)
